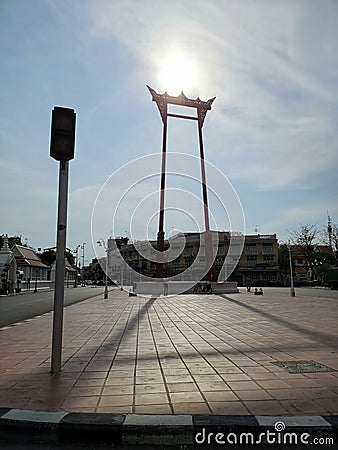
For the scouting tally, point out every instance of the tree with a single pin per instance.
(333, 241)
(12, 240)
(121, 241)
(284, 261)
(48, 256)
(305, 238)
(95, 271)
(323, 262)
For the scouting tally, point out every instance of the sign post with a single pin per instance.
(62, 149)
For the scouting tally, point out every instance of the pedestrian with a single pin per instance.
(165, 286)
(248, 284)
(28, 284)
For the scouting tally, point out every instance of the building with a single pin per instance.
(256, 264)
(259, 261)
(30, 264)
(70, 272)
(8, 268)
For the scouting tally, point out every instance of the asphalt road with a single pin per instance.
(17, 308)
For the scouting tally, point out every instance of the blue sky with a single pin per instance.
(272, 131)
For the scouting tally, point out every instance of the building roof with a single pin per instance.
(26, 256)
(68, 267)
(322, 248)
(325, 249)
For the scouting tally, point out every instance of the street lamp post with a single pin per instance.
(83, 263)
(36, 281)
(292, 291)
(101, 243)
(76, 263)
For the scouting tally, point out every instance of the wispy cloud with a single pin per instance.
(273, 67)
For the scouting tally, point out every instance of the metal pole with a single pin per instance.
(106, 283)
(160, 235)
(76, 264)
(83, 264)
(60, 269)
(208, 241)
(36, 282)
(292, 291)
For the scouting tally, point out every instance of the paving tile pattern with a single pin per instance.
(187, 354)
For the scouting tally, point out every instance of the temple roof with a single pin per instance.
(162, 100)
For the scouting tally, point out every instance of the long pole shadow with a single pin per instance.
(329, 339)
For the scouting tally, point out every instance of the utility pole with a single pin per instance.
(102, 243)
(83, 263)
(62, 149)
(292, 290)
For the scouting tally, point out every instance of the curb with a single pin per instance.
(44, 427)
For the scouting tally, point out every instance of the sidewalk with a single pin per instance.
(189, 354)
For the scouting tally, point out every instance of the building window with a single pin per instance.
(176, 264)
(219, 262)
(300, 262)
(254, 277)
(267, 248)
(234, 249)
(252, 261)
(251, 248)
(268, 259)
(221, 249)
(270, 277)
(188, 262)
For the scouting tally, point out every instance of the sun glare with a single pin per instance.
(177, 73)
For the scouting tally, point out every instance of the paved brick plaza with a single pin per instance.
(176, 355)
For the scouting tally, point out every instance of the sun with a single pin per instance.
(178, 72)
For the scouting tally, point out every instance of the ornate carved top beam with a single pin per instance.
(162, 100)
